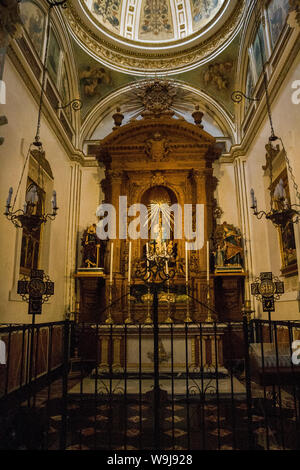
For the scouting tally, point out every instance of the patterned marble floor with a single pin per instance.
(103, 422)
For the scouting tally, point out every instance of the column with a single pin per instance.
(117, 352)
(73, 223)
(104, 351)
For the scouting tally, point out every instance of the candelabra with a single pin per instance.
(155, 269)
(30, 217)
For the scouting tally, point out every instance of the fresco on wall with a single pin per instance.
(95, 80)
(277, 14)
(91, 79)
(107, 12)
(217, 78)
(259, 52)
(53, 57)
(156, 19)
(204, 11)
(34, 22)
(218, 74)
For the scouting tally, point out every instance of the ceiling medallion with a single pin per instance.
(143, 62)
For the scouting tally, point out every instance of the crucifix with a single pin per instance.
(267, 288)
(36, 290)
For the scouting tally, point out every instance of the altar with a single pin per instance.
(182, 348)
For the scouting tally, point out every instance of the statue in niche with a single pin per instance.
(228, 255)
(93, 249)
(157, 148)
(219, 257)
(233, 246)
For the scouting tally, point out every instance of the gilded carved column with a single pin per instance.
(73, 222)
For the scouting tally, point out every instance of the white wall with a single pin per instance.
(21, 111)
(263, 236)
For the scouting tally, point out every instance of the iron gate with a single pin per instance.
(92, 386)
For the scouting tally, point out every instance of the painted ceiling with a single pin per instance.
(147, 37)
(154, 20)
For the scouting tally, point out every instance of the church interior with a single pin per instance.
(150, 242)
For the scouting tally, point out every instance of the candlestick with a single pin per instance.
(129, 263)
(169, 319)
(54, 202)
(129, 319)
(109, 320)
(207, 261)
(148, 320)
(10, 193)
(111, 262)
(252, 198)
(186, 264)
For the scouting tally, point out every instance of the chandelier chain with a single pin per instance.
(37, 137)
(257, 3)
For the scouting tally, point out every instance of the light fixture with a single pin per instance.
(30, 217)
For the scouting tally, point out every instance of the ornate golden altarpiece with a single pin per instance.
(160, 151)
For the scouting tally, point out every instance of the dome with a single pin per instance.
(154, 36)
(154, 21)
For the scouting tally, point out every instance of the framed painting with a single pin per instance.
(34, 20)
(54, 53)
(259, 52)
(65, 90)
(249, 89)
(278, 11)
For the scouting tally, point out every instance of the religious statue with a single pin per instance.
(228, 255)
(93, 248)
(219, 257)
(233, 248)
(272, 152)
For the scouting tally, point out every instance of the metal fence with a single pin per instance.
(208, 386)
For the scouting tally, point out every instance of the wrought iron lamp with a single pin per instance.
(30, 216)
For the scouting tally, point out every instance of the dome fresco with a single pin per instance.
(154, 20)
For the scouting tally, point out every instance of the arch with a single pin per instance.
(107, 106)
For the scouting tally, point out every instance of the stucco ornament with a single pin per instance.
(10, 21)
